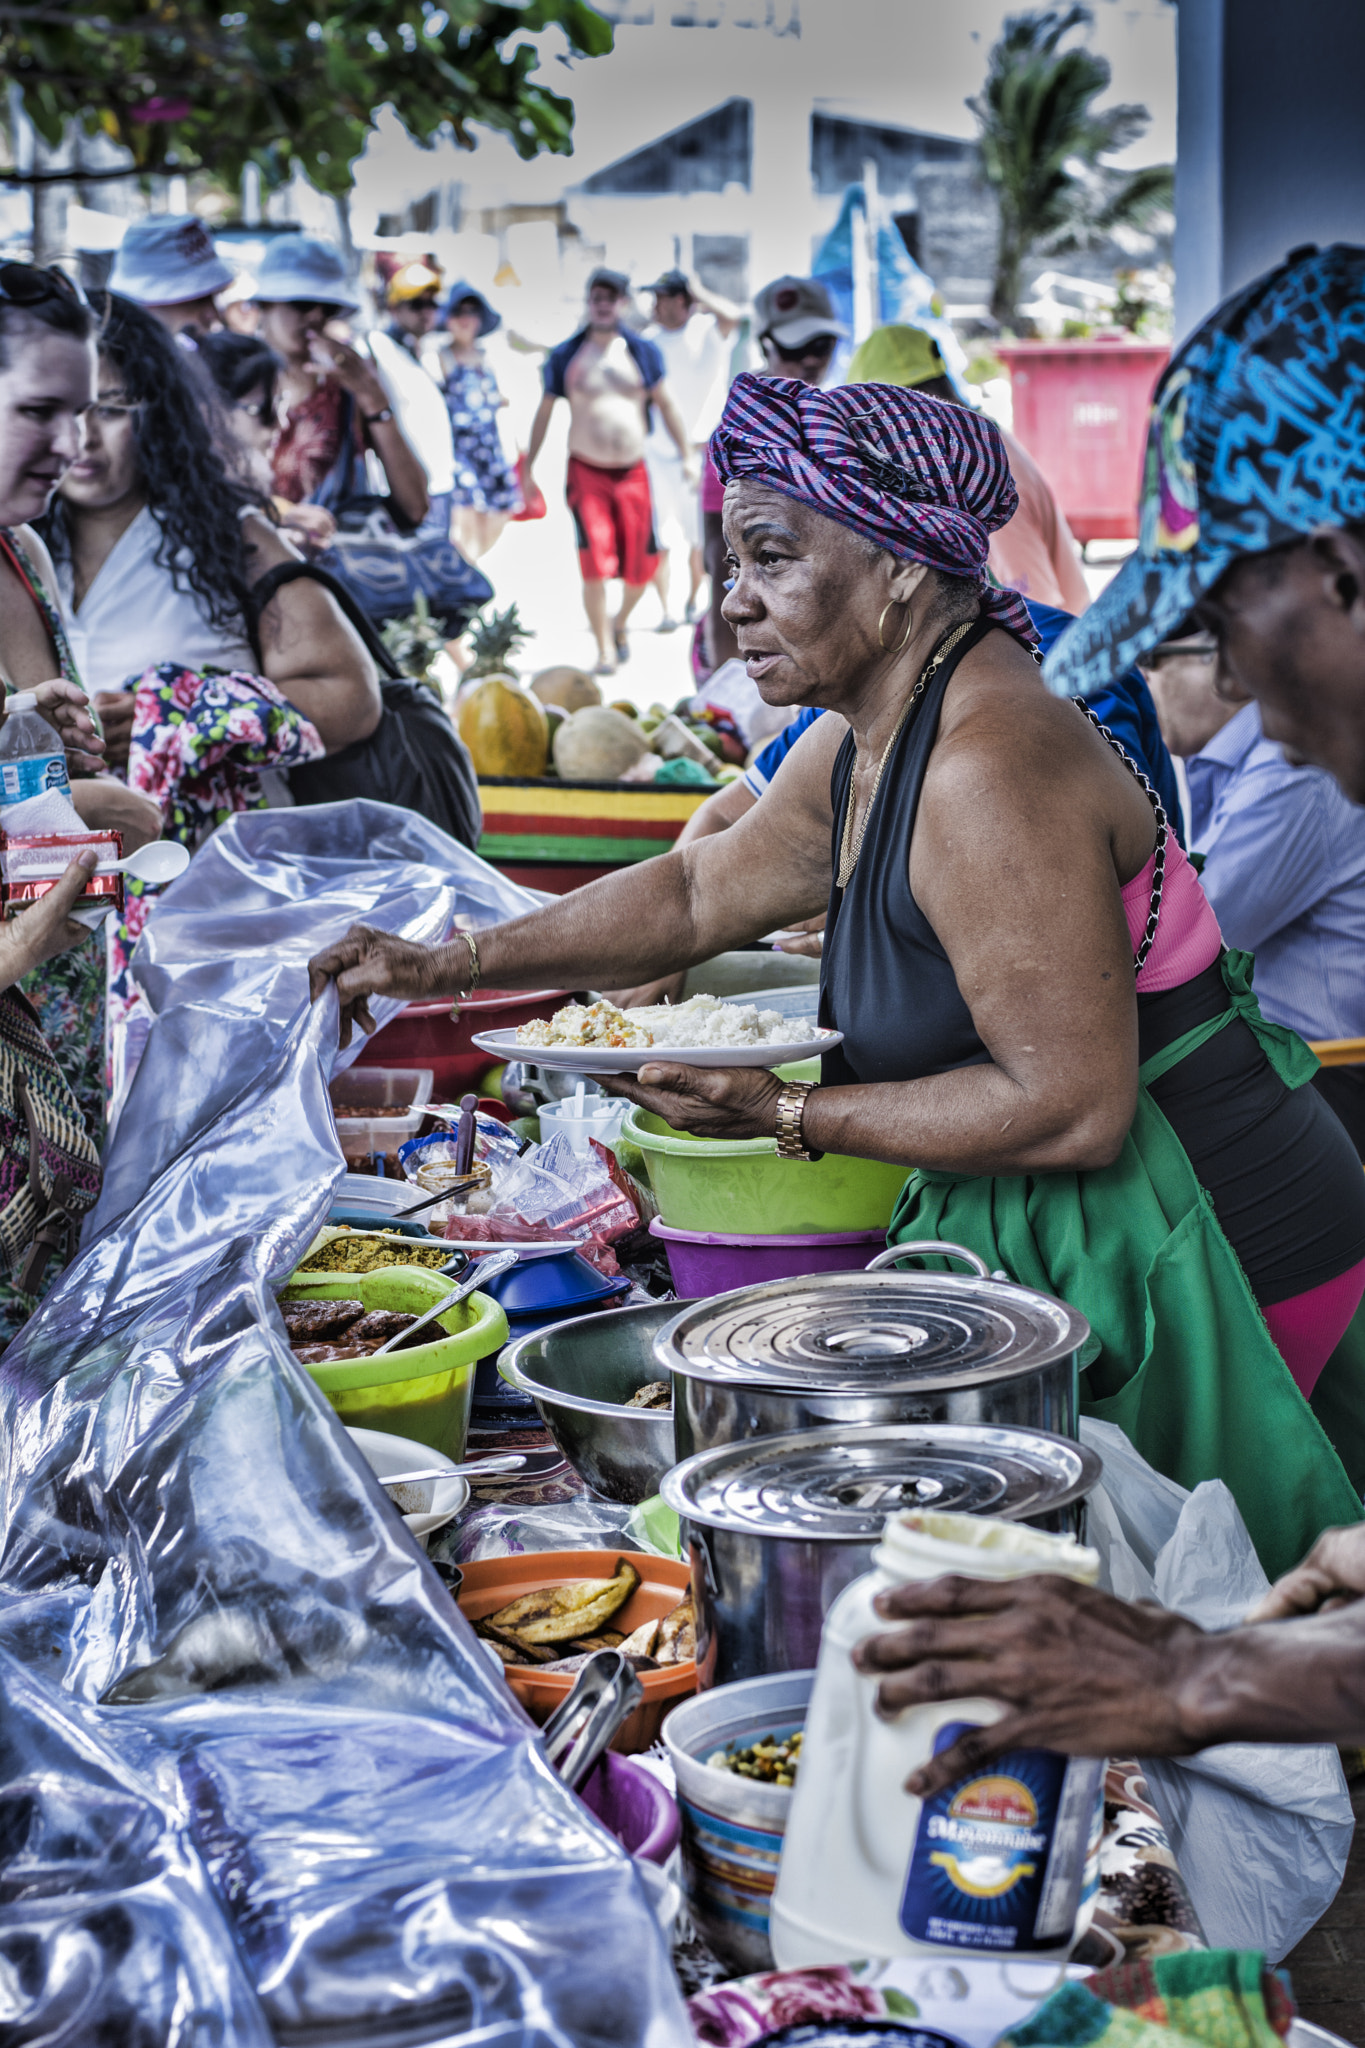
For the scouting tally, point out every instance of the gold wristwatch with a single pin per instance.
(791, 1104)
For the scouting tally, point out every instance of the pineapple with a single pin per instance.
(493, 639)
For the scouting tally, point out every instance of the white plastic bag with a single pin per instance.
(1261, 1831)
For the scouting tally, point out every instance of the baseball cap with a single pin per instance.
(897, 355)
(614, 280)
(166, 260)
(672, 282)
(304, 267)
(413, 281)
(1257, 435)
(793, 310)
(461, 291)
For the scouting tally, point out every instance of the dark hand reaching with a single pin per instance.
(711, 1102)
(1076, 1670)
(372, 963)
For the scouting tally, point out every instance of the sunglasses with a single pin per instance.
(28, 284)
(1200, 649)
(807, 351)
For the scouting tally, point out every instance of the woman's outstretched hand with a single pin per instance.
(47, 927)
(66, 706)
(372, 963)
(710, 1102)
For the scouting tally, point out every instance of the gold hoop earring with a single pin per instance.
(909, 629)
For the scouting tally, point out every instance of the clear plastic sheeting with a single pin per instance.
(257, 1779)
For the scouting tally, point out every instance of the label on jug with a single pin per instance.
(996, 1861)
(32, 775)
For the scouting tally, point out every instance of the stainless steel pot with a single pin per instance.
(860, 1349)
(580, 1373)
(777, 1527)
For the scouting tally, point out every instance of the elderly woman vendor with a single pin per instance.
(1040, 1020)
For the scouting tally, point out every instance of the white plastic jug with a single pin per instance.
(993, 1865)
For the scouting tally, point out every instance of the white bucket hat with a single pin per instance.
(167, 260)
(304, 267)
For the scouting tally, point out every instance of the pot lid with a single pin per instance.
(858, 1333)
(838, 1485)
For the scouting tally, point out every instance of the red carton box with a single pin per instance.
(30, 865)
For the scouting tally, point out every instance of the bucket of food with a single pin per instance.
(740, 1184)
(705, 1262)
(735, 1752)
(336, 1325)
(777, 1527)
(598, 1391)
(545, 1612)
(873, 1347)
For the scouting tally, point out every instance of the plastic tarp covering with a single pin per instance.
(1261, 1831)
(258, 1781)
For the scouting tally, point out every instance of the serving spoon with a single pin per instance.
(484, 1270)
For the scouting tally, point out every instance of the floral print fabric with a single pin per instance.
(482, 476)
(199, 739)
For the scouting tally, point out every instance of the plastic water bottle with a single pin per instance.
(994, 1865)
(35, 791)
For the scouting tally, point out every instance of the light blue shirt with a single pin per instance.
(1284, 870)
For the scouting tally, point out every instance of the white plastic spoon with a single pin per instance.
(162, 861)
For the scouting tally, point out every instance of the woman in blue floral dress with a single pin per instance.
(486, 489)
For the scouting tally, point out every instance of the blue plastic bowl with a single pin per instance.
(548, 1288)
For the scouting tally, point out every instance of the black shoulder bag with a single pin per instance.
(413, 758)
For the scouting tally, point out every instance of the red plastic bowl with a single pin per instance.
(631, 1804)
(435, 1035)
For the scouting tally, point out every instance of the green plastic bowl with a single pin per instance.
(424, 1393)
(739, 1185)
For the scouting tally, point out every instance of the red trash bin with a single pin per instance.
(1081, 408)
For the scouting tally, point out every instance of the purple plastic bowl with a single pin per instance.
(710, 1262)
(632, 1805)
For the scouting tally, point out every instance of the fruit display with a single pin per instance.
(568, 689)
(494, 640)
(598, 745)
(504, 728)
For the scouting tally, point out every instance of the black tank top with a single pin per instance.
(885, 980)
(1281, 1172)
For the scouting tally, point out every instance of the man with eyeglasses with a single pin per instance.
(1283, 859)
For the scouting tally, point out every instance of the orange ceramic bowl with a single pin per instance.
(494, 1581)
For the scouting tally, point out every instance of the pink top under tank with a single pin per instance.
(1187, 936)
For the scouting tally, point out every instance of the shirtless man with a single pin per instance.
(612, 377)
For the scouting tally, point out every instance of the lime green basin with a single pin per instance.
(740, 1185)
(423, 1393)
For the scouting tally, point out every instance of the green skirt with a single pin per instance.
(1180, 1356)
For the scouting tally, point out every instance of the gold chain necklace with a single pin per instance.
(849, 848)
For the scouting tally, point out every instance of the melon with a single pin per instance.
(569, 688)
(504, 728)
(598, 745)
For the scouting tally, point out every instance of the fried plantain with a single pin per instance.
(509, 1645)
(678, 1634)
(641, 1643)
(558, 1614)
(657, 1394)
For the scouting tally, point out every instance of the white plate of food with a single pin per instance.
(431, 1503)
(597, 1038)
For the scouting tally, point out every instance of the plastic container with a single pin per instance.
(732, 1827)
(601, 1118)
(554, 1287)
(493, 1581)
(1081, 409)
(376, 1088)
(424, 1393)
(440, 1035)
(993, 1865)
(706, 1262)
(739, 1185)
(633, 1805)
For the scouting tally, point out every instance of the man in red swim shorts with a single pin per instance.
(612, 378)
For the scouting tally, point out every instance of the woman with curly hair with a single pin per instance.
(158, 544)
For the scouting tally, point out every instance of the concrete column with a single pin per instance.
(1270, 144)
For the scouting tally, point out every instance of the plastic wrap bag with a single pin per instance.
(1261, 1831)
(198, 1568)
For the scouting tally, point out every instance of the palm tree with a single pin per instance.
(1041, 145)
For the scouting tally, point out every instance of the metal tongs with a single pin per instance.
(606, 1689)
